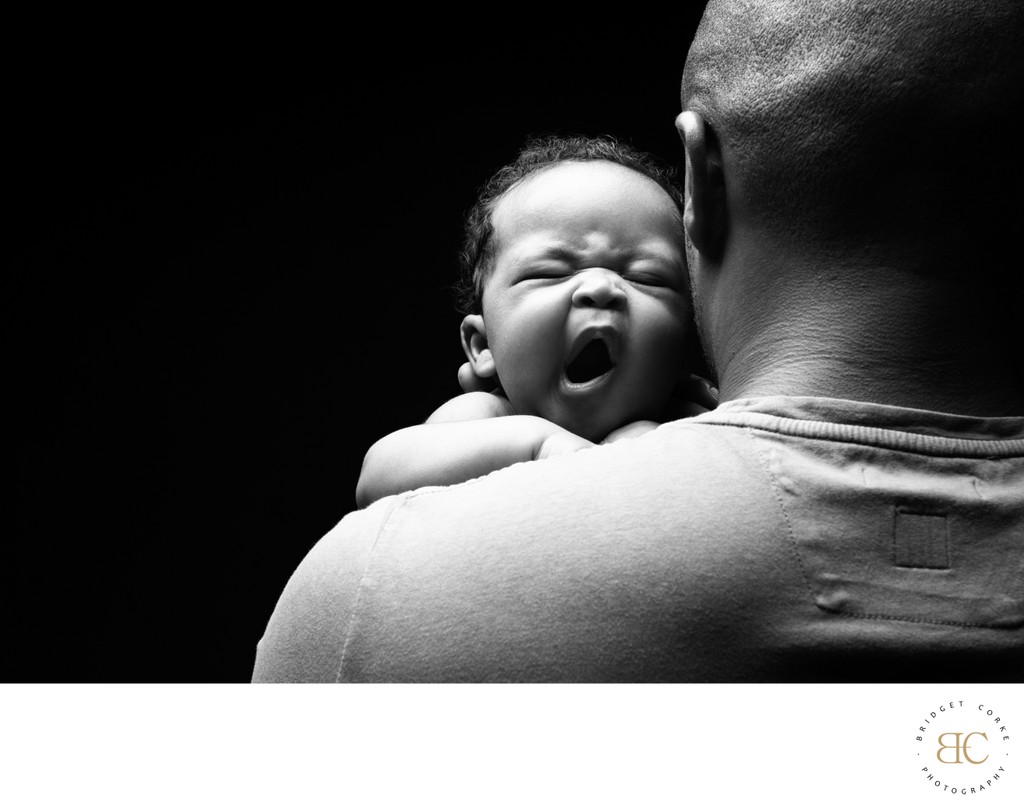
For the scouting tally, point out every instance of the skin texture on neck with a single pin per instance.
(779, 323)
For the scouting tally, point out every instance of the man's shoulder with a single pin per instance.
(305, 638)
(472, 567)
(683, 460)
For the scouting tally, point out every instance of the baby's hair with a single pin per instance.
(540, 153)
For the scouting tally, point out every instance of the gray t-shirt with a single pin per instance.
(773, 539)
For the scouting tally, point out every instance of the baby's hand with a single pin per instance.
(693, 396)
(561, 443)
(632, 430)
(471, 383)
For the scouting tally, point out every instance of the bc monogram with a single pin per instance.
(961, 747)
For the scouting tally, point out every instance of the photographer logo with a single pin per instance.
(963, 748)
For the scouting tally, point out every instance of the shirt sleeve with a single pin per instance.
(305, 638)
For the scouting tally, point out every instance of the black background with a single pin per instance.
(230, 254)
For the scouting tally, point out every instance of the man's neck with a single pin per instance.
(809, 374)
(891, 339)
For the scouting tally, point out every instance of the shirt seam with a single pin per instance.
(794, 547)
(862, 435)
(350, 628)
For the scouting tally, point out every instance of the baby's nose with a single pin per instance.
(598, 288)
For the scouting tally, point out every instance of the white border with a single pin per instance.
(478, 746)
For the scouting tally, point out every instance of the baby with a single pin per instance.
(576, 303)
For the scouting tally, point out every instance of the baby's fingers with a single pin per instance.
(470, 382)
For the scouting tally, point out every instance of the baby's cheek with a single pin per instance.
(667, 335)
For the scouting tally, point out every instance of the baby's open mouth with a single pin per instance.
(592, 361)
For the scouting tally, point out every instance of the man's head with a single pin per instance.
(870, 123)
(582, 308)
(841, 135)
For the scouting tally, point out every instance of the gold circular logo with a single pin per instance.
(962, 747)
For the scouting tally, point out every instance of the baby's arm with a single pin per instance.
(466, 437)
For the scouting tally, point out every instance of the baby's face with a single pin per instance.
(586, 306)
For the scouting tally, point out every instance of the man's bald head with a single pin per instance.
(877, 125)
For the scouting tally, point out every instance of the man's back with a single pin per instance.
(770, 540)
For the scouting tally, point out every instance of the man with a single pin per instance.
(854, 509)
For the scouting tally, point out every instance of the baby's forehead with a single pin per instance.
(555, 178)
(575, 197)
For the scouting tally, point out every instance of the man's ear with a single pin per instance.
(474, 343)
(704, 217)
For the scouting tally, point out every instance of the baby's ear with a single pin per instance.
(474, 343)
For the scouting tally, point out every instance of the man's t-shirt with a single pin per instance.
(773, 539)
